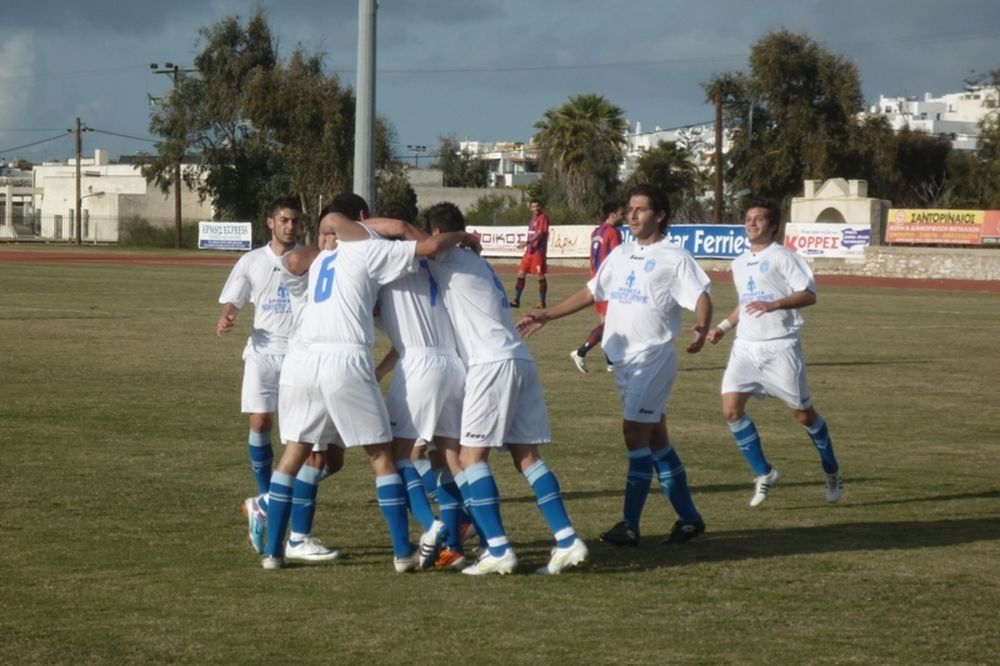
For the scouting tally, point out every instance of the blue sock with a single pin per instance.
(485, 505)
(450, 503)
(673, 482)
(261, 459)
(391, 496)
(304, 502)
(820, 437)
(640, 473)
(279, 506)
(416, 496)
(428, 476)
(463, 487)
(747, 438)
(550, 502)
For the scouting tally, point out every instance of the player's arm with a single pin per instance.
(794, 301)
(397, 229)
(387, 364)
(297, 261)
(226, 320)
(431, 245)
(719, 330)
(703, 319)
(534, 321)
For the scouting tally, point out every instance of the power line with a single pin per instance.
(124, 136)
(35, 143)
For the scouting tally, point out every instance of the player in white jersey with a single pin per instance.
(504, 404)
(773, 284)
(256, 279)
(646, 282)
(337, 326)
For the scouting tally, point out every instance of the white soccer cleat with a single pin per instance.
(256, 523)
(579, 361)
(269, 563)
(488, 564)
(565, 558)
(310, 549)
(763, 485)
(430, 544)
(834, 487)
(408, 563)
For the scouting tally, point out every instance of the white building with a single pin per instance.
(111, 193)
(698, 139)
(956, 115)
(510, 163)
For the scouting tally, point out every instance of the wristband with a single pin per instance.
(724, 325)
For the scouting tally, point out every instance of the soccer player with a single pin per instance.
(605, 238)
(536, 248)
(255, 279)
(773, 284)
(336, 374)
(504, 404)
(646, 283)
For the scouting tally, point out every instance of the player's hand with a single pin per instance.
(715, 335)
(761, 307)
(225, 324)
(473, 241)
(531, 323)
(522, 245)
(699, 340)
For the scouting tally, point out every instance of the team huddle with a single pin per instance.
(464, 382)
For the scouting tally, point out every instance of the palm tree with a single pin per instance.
(582, 143)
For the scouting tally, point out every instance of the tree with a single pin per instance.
(460, 168)
(582, 143)
(792, 117)
(671, 167)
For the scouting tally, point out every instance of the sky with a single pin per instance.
(484, 70)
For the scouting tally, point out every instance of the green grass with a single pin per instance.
(124, 464)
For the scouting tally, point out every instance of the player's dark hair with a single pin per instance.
(773, 210)
(291, 203)
(610, 207)
(348, 204)
(658, 200)
(536, 200)
(397, 211)
(444, 217)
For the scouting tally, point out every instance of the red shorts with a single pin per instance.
(601, 307)
(533, 263)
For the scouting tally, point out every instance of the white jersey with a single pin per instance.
(478, 307)
(413, 313)
(256, 279)
(296, 286)
(770, 275)
(351, 274)
(645, 287)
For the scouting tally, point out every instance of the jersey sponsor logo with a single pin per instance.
(754, 294)
(629, 294)
(643, 410)
(473, 435)
(630, 280)
(281, 304)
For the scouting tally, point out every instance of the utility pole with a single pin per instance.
(174, 71)
(79, 200)
(364, 109)
(718, 158)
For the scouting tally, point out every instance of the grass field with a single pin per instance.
(124, 465)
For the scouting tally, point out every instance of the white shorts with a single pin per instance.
(644, 383)
(336, 381)
(261, 373)
(425, 395)
(320, 432)
(774, 368)
(504, 404)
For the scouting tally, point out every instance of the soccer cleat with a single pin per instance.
(611, 367)
(565, 558)
(270, 563)
(683, 531)
(539, 305)
(621, 534)
(516, 303)
(763, 485)
(580, 361)
(256, 523)
(834, 487)
(449, 559)
(488, 564)
(430, 543)
(310, 549)
(407, 563)
(466, 531)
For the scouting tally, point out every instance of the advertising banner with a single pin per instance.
(935, 227)
(224, 235)
(824, 239)
(710, 241)
(991, 227)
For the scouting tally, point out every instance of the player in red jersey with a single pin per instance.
(606, 237)
(535, 250)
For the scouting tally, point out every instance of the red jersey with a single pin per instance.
(539, 228)
(605, 238)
